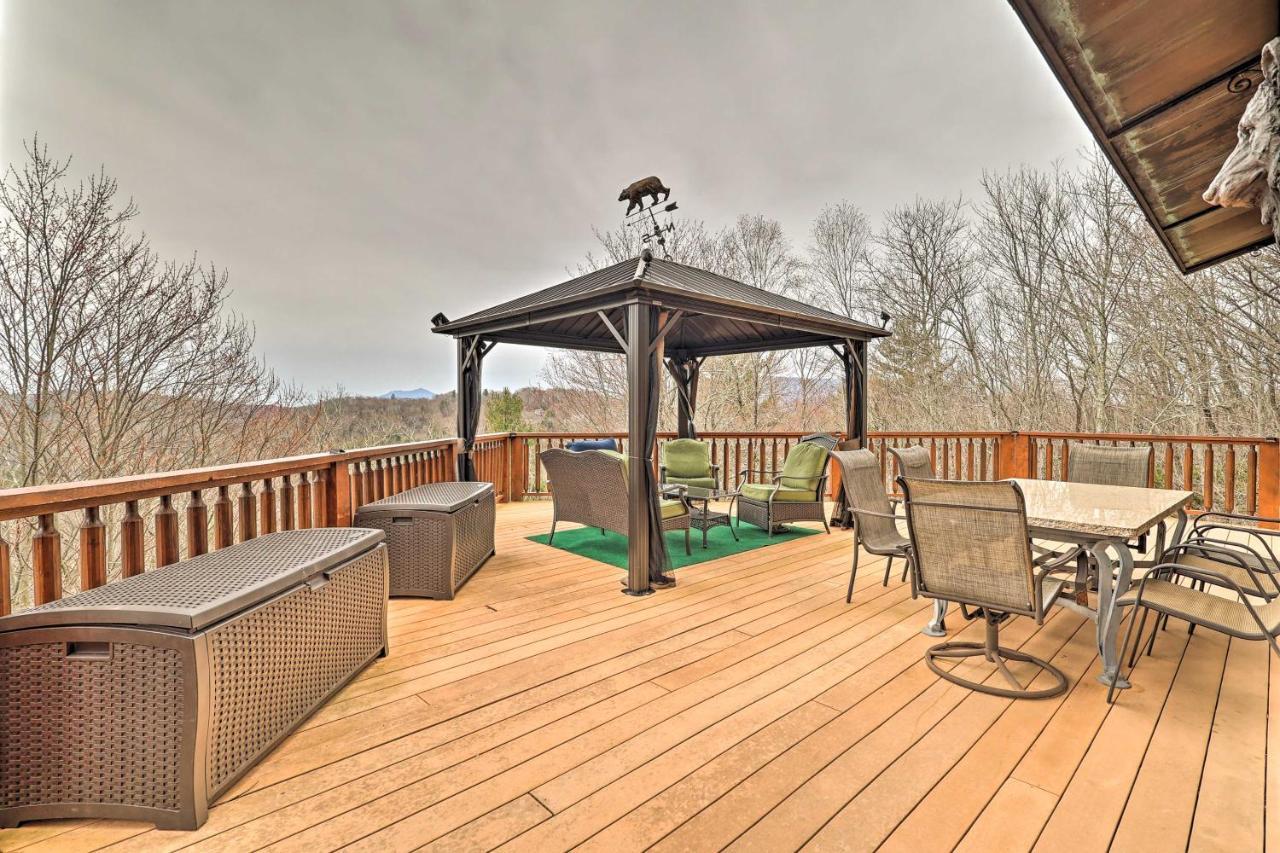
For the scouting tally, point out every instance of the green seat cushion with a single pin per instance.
(671, 509)
(804, 466)
(687, 457)
(696, 482)
(761, 492)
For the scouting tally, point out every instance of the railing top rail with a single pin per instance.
(1138, 436)
(60, 497)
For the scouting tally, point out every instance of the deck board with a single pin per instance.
(749, 708)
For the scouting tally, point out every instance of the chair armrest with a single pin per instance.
(1218, 552)
(1237, 516)
(745, 472)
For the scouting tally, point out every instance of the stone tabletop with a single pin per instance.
(1119, 512)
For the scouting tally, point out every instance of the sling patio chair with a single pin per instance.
(825, 439)
(687, 462)
(1103, 465)
(1162, 592)
(970, 544)
(875, 526)
(793, 494)
(1236, 546)
(914, 462)
(590, 487)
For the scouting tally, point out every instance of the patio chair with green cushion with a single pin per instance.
(590, 487)
(687, 462)
(793, 494)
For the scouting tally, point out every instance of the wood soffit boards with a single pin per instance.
(1161, 85)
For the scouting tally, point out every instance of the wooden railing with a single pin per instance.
(1235, 473)
(67, 537)
(121, 527)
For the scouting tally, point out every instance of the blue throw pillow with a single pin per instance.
(592, 444)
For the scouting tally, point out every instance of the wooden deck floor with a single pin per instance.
(747, 708)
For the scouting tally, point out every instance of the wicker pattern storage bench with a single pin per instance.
(146, 699)
(438, 535)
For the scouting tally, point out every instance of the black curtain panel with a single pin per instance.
(659, 560)
(684, 371)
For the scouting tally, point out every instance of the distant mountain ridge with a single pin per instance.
(412, 394)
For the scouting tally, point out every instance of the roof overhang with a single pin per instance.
(1162, 84)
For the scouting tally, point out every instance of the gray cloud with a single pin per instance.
(360, 166)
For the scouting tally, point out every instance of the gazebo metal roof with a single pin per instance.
(1162, 85)
(719, 315)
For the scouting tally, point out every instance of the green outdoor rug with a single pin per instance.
(611, 548)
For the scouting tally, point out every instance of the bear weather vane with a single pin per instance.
(653, 230)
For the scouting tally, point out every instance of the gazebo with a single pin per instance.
(653, 312)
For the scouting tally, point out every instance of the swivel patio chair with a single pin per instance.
(590, 487)
(793, 494)
(875, 527)
(1161, 591)
(970, 545)
(687, 462)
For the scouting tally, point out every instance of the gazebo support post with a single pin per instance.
(855, 368)
(471, 352)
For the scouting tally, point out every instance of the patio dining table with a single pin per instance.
(1104, 520)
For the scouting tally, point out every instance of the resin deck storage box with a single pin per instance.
(437, 535)
(146, 699)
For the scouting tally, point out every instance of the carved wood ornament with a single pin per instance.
(1250, 177)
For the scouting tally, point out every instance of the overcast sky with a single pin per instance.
(359, 166)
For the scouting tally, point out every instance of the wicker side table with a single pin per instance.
(148, 698)
(438, 535)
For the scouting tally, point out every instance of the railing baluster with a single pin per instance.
(247, 511)
(1251, 481)
(132, 541)
(267, 507)
(166, 521)
(6, 581)
(286, 503)
(1229, 476)
(46, 560)
(197, 524)
(1188, 468)
(93, 550)
(1048, 461)
(304, 501)
(1207, 476)
(223, 527)
(320, 499)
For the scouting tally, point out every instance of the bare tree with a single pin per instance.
(112, 360)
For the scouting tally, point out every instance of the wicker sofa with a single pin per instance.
(590, 487)
(792, 494)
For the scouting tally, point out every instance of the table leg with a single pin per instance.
(937, 626)
(1111, 585)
